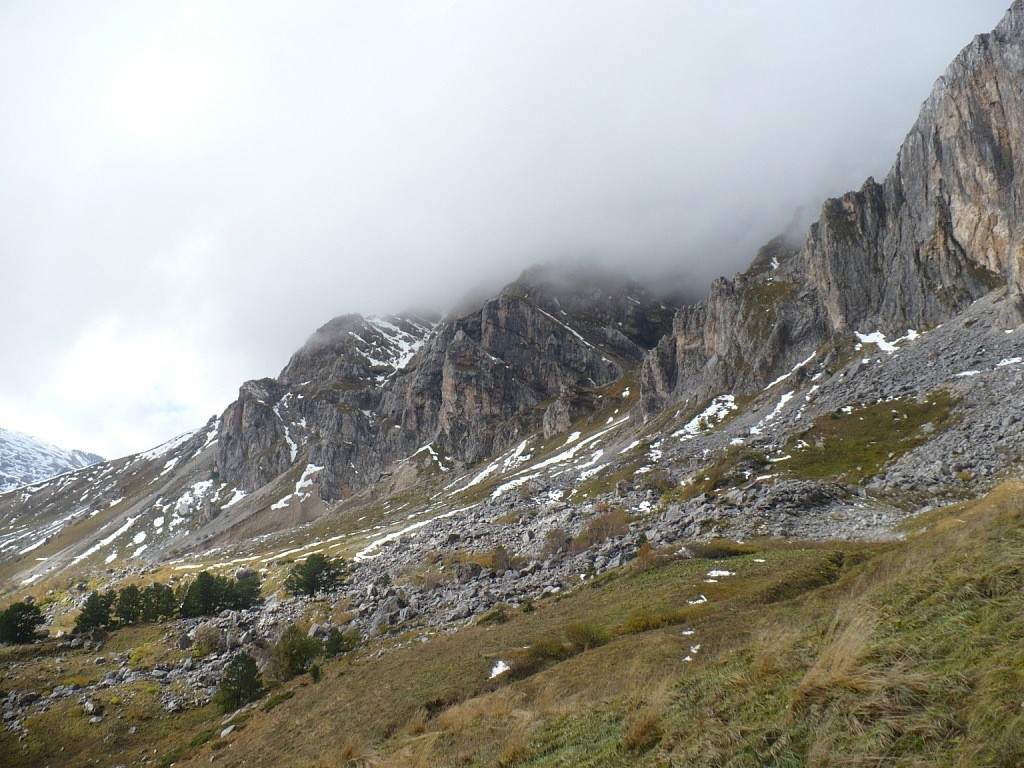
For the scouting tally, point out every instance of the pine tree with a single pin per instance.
(244, 592)
(203, 596)
(318, 573)
(241, 683)
(129, 606)
(158, 602)
(96, 612)
(19, 622)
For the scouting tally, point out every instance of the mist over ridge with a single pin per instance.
(193, 189)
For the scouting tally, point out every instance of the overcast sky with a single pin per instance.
(190, 188)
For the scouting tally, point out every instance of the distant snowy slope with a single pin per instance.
(25, 460)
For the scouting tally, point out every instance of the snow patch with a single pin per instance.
(106, 541)
(759, 428)
(706, 419)
(236, 497)
(170, 445)
(796, 368)
(878, 339)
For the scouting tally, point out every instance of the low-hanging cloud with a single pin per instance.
(190, 189)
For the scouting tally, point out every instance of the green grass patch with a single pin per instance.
(855, 445)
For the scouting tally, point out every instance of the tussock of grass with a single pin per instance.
(816, 572)
(719, 549)
(644, 620)
(643, 732)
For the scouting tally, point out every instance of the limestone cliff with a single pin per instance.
(941, 230)
(363, 394)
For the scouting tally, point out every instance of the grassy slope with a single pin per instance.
(842, 655)
(912, 655)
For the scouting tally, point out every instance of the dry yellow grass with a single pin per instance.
(643, 732)
(842, 661)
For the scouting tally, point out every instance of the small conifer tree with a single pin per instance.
(19, 622)
(241, 683)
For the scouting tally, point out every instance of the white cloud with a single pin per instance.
(124, 387)
(220, 178)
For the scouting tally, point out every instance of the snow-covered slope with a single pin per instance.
(24, 460)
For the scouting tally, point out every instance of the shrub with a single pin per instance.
(339, 641)
(614, 522)
(501, 560)
(315, 673)
(241, 683)
(498, 615)
(648, 558)
(431, 580)
(659, 480)
(208, 640)
(293, 653)
(19, 622)
(556, 541)
(582, 637)
(318, 573)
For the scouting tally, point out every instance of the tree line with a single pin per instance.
(206, 595)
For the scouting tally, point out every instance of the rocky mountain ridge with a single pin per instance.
(939, 232)
(467, 387)
(570, 389)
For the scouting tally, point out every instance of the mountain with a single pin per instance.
(773, 526)
(381, 407)
(387, 407)
(25, 460)
(942, 230)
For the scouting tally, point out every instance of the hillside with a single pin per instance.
(588, 523)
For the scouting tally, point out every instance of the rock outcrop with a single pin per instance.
(943, 229)
(363, 394)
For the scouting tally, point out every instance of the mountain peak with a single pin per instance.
(25, 459)
(1012, 25)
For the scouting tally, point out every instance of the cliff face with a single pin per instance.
(943, 229)
(363, 394)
